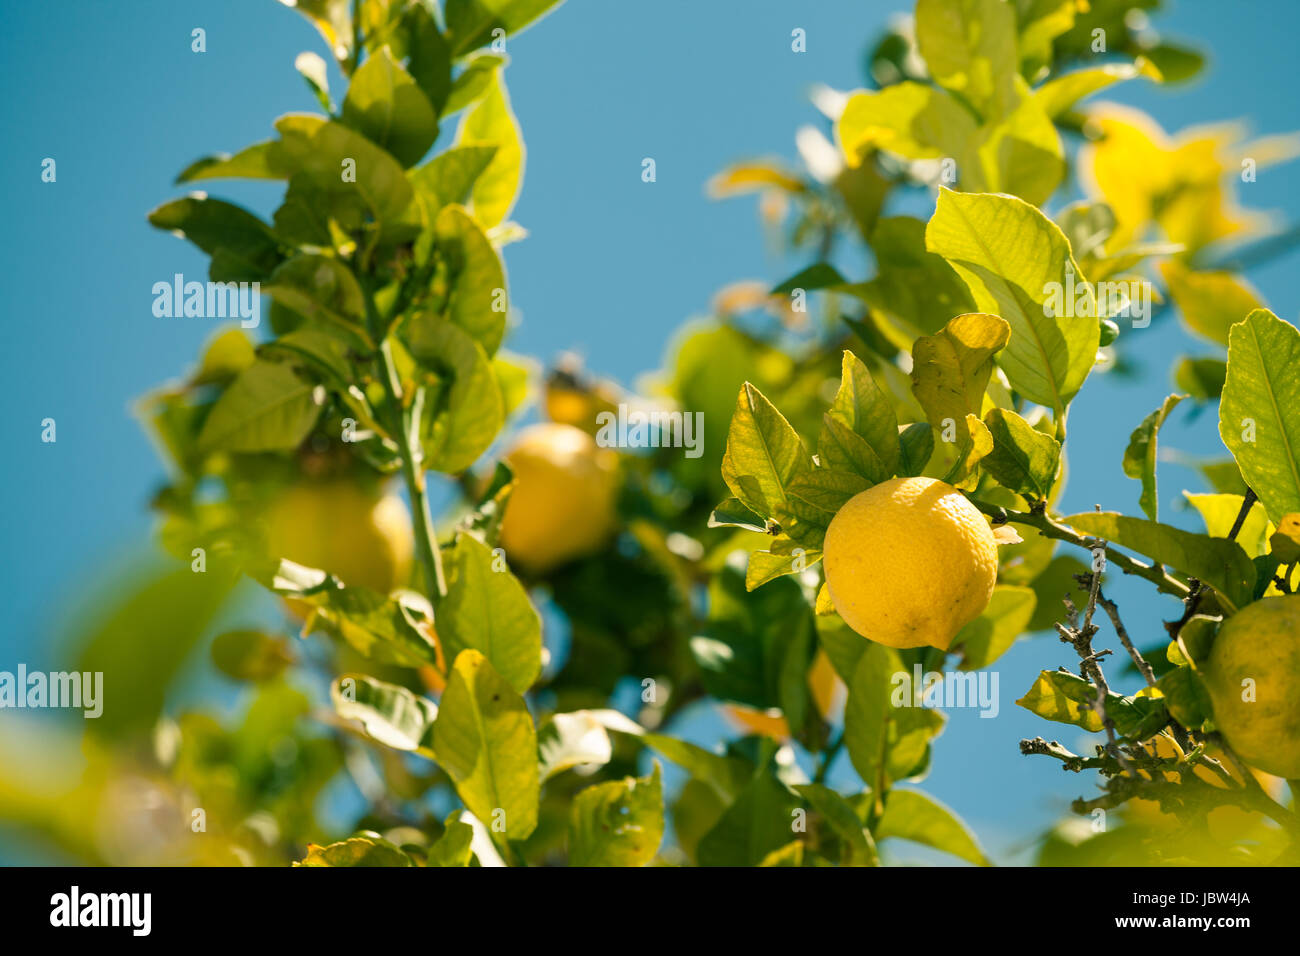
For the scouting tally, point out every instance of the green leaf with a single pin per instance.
(861, 406)
(759, 821)
(886, 742)
(472, 81)
(913, 120)
(726, 775)
(484, 739)
(225, 355)
(989, 636)
(819, 275)
(765, 566)
(1021, 153)
(492, 122)
(846, 452)
(1058, 95)
(467, 413)
(478, 300)
(470, 23)
(1055, 581)
(969, 47)
(1015, 261)
(1185, 696)
(916, 445)
(1220, 511)
(1067, 698)
(241, 245)
(742, 650)
(315, 154)
(950, 372)
(576, 739)
(386, 106)
(428, 56)
(1211, 303)
(453, 847)
(1219, 563)
(322, 290)
(827, 488)
(1201, 378)
(449, 177)
(618, 823)
(267, 408)
(731, 513)
(1023, 459)
(859, 847)
(1140, 456)
(487, 609)
(252, 162)
(250, 655)
(333, 18)
(1175, 63)
(356, 851)
(764, 454)
(1259, 416)
(912, 286)
(389, 713)
(916, 816)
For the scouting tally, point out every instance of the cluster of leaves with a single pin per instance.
(961, 359)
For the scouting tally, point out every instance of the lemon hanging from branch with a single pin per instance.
(909, 562)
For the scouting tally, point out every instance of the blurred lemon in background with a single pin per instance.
(362, 537)
(562, 505)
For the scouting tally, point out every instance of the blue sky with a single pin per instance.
(612, 266)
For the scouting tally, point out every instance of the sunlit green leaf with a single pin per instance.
(1220, 564)
(1140, 455)
(617, 823)
(1259, 416)
(484, 739)
(385, 105)
(487, 609)
(916, 816)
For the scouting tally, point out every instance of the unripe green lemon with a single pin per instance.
(1252, 674)
(562, 505)
(361, 537)
(909, 562)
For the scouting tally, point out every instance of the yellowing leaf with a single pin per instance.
(1219, 511)
(1210, 302)
(1013, 257)
(618, 823)
(909, 119)
(484, 739)
(492, 122)
(969, 47)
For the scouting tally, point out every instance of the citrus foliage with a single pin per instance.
(962, 354)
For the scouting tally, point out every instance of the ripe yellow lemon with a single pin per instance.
(562, 505)
(1251, 674)
(361, 537)
(909, 562)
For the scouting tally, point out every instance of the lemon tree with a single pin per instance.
(504, 632)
